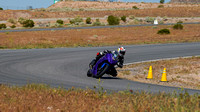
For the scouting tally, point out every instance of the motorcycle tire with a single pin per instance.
(102, 71)
(92, 63)
(89, 74)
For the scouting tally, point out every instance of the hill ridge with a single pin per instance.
(185, 1)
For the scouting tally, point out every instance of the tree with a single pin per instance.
(162, 1)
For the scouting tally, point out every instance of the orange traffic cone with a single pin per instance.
(150, 74)
(164, 76)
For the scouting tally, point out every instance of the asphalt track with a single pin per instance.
(67, 67)
(89, 27)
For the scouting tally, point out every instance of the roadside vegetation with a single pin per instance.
(3, 26)
(82, 22)
(123, 18)
(163, 31)
(181, 72)
(88, 20)
(98, 37)
(97, 23)
(178, 26)
(37, 97)
(112, 20)
(135, 7)
(60, 22)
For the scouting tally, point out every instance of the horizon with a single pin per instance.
(24, 4)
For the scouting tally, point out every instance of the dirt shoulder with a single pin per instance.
(182, 72)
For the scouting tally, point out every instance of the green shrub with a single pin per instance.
(131, 17)
(149, 19)
(28, 23)
(76, 20)
(13, 21)
(97, 20)
(81, 9)
(160, 6)
(1, 8)
(21, 20)
(178, 26)
(61, 22)
(3, 26)
(112, 20)
(88, 20)
(179, 22)
(123, 18)
(13, 26)
(135, 7)
(163, 31)
(97, 23)
(155, 27)
(162, 1)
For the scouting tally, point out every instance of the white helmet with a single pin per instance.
(121, 50)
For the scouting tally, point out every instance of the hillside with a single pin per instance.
(185, 1)
(85, 5)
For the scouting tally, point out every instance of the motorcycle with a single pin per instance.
(105, 65)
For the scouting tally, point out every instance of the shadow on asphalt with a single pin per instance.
(110, 78)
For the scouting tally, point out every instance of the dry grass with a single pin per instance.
(114, 5)
(153, 12)
(98, 37)
(43, 98)
(182, 72)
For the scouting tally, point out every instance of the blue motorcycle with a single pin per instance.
(105, 65)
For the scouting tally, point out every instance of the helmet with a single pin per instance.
(121, 50)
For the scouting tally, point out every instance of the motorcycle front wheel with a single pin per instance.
(89, 74)
(102, 71)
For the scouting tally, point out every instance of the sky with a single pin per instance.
(23, 4)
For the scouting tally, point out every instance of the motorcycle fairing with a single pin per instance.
(108, 58)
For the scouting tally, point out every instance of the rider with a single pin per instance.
(117, 55)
